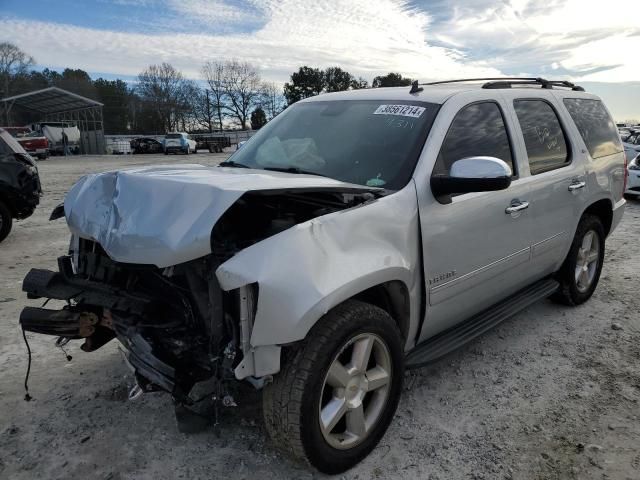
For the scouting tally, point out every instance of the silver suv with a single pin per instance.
(356, 235)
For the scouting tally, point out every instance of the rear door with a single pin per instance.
(601, 147)
(556, 176)
(475, 252)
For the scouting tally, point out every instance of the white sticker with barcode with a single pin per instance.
(402, 110)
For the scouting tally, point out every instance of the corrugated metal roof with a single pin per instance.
(52, 100)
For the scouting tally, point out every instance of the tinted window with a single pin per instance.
(543, 135)
(477, 130)
(174, 135)
(367, 142)
(595, 125)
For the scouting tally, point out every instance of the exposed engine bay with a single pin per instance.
(177, 325)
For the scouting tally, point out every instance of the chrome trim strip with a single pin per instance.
(548, 244)
(444, 291)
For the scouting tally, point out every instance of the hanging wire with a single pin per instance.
(27, 397)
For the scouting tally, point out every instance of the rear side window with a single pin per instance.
(543, 135)
(595, 126)
(477, 130)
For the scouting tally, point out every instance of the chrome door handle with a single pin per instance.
(516, 206)
(573, 186)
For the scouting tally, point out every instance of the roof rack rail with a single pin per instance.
(509, 82)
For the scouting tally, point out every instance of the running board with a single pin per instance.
(456, 336)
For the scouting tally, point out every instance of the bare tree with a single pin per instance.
(272, 99)
(242, 88)
(13, 62)
(167, 92)
(214, 74)
(204, 110)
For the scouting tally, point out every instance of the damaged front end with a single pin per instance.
(177, 325)
(170, 320)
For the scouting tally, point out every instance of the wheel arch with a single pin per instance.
(603, 209)
(392, 297)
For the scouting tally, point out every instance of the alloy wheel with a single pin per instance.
(355, 391)
(587, 262)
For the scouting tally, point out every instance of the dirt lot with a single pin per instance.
(552, 393)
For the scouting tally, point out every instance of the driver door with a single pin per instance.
(475, 252)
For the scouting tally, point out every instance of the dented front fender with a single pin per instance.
(308, 269)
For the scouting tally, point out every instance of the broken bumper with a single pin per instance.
(97, 313)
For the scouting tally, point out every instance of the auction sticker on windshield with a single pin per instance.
(403, 110)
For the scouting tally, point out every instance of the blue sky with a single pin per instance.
(583, 40)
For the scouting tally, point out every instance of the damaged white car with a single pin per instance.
(356, 234)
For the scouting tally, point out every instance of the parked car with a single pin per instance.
(179, 142)
(356, 235)
(19, 183)
(633, 174)
(33, 142)
(624, 133)
(633, 138)
(146, 145)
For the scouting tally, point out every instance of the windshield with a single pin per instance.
(372, 143)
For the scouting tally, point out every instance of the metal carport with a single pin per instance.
(58, 105)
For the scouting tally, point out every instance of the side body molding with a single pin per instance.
(308, 269)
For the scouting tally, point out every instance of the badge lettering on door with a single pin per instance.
(442, 277)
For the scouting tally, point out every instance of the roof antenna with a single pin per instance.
(415, 88)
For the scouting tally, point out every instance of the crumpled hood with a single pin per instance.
(164, 215)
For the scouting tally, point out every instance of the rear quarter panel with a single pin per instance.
(604, 175)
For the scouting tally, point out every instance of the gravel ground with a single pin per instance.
(553, 393)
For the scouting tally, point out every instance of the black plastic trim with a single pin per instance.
(458, 335)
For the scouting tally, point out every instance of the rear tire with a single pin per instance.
(299, 407)
(581, 270)
(6, 221)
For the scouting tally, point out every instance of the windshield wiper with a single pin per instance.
(293, 170)
(231, 163)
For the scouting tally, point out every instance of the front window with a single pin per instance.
(477, 130)
(372, 143)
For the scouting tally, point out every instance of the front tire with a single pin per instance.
(338, 390)
(581, 270)
(6, 221)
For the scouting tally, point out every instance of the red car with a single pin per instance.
(33, 142)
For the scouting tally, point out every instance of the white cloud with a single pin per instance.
(588, 39)
(211, 12)
(367, 38)
(528, 36)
